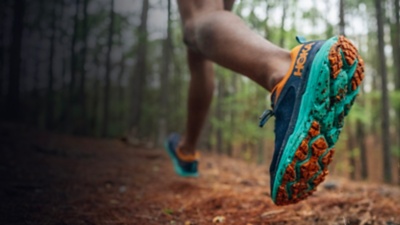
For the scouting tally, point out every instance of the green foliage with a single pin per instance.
(355, 153)
(358, 112)
(396, 151)
(395, 100)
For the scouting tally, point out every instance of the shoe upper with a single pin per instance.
(286, 98)
(186, 168)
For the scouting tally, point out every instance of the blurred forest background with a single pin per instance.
(117, 68)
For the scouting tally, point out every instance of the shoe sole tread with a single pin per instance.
(309, 164)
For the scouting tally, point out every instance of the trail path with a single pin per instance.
(58, 179)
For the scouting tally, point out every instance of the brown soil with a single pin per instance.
(58, 179)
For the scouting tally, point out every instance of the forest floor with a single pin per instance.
(58, 179)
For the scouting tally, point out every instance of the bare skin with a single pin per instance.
(214, 34)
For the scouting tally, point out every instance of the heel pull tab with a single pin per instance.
(301, 39)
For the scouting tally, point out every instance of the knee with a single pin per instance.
(199, 33)
(189, 35)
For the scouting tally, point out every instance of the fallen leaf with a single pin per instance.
(219, 219)
(306, 213)
(168, 211)
(271, 213)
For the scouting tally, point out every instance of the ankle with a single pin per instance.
(185, 155)
(283, 62)
(185, 149)
(273, 80)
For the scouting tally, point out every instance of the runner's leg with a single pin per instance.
(222, 37)
(212, 33)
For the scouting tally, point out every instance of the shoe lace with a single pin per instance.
(265, 116)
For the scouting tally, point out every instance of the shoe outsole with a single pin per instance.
(344, 70)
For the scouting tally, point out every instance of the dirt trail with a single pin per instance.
(58, 179)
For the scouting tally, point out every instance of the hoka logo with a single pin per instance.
(302, 60)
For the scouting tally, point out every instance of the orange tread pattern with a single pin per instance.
(351, 54)
(349, 50)
(359, 74)
(335, 59)
(308, 170)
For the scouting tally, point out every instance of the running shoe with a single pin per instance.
(309, 106)
(184, 165)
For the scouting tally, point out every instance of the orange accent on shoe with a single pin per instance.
(349, 50)
(359, 75)
(302, 152)
(186, 157)
(293, 55)
(319, 147)
(350, 54)
(314, 130)
(297, 65)
(335, 59)
(302, 60)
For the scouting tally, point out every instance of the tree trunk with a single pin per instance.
(13, 95)
(219, 115)
(396, 59)
(283, 20)
(50, 73)
(64, 91)
(121, 93)
(350, 146)
(139, 77)
(108, 72)
(265, 22)
(387, 168)
(350, 142)
(82, 84)
(341, 18)
(232, 129)
(165, 72)
(66, 115)
(395, 38)
(73, 55)
(3, 48)
(363, 149)
(61, 120)
(96, 96)
(36, 95)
